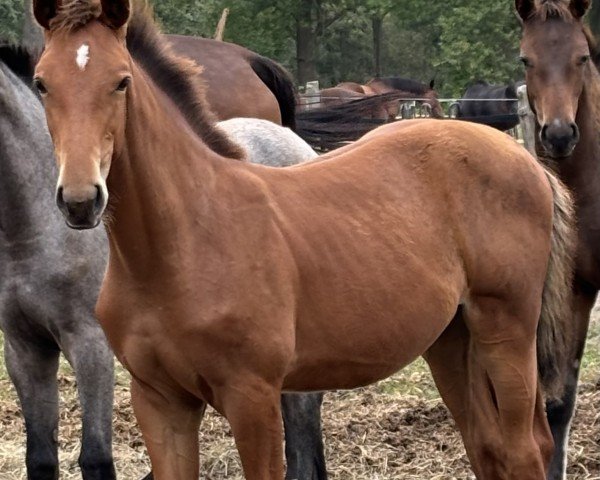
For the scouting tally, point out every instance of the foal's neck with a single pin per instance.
(161, 186)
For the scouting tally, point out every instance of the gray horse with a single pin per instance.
(50, 276)
(49, 279)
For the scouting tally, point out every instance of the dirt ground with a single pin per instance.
(396, 429)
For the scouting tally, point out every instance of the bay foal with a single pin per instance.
(229, 282)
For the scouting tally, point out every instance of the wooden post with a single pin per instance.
(527, 120)
(221, 25)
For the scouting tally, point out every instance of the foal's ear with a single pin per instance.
(115, 13)
(525, 8)
(579, 7)
(44, 11)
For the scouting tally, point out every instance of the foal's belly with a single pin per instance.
(363, 346)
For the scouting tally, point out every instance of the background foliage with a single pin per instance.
(455, 41)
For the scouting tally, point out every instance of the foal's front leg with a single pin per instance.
(253, 409)
(169, 426)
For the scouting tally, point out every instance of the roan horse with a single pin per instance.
(229, 282)
(67, 321)
(49, 280)
(564, 91)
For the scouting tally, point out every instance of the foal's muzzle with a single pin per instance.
(83, 210)
(559, 138)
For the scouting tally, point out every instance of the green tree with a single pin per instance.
(11, 20)
(477, 41)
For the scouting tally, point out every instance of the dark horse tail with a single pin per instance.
(555, 325)
(279, 81)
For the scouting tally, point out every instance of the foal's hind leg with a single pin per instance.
(561, 411)
(448, 361)
(92, 360)
(303, 437)
(507, 425)
(32, 368)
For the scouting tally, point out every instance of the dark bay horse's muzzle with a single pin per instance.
(559, 138)
(83, 210)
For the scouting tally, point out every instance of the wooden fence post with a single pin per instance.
(527, 120)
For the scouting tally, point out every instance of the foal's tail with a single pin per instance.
(279, 81)
(555, 326)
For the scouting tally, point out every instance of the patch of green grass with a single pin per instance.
(414, 380)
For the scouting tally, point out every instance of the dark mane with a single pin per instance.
(19, 60)
(548, 9)
(592, 44)
(178, 77)
(406, 84)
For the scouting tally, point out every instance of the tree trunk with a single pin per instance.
(377, 23)
(306, 44)
(32, 36)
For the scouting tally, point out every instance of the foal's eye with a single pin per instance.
(39, 86)
(123, 85)
(526, 62)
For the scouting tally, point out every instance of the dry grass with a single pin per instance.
(396, 429)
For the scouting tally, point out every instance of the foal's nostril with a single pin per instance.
(60, 200)
(99, 200)
(544, 132)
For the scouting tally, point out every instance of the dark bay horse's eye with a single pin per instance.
(583, 60)
(39, 86)
(123, 85)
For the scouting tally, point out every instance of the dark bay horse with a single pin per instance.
(49, 280)
(493, 105)
(410, 242)
(564, 91)
(254, 86)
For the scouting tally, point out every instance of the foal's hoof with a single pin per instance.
(149, 477)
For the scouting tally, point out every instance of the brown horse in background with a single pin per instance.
(410, 242)
(411, 89)
(555, 45)
(388, 111)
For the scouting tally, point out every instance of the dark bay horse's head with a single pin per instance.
(82, 77)
(556, 55)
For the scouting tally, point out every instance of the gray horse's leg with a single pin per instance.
(92, 361)
(32, 368)
(561, 412)
(303, 436)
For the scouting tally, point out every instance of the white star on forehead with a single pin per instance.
(83, 56)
